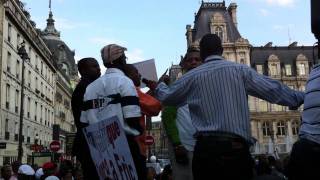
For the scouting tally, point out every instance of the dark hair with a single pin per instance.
(83, 63)
(210, 44)
(116, 63)
(191, 49)
(128, 68)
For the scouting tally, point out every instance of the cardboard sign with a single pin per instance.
(147, 69)
(109, 150)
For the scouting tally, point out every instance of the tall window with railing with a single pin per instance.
(9, 62)
(7, 96)
(281, 128)
(295, 127)
(266, 128)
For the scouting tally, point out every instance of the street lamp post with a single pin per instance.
(24, 56)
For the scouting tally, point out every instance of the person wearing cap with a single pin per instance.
(114, 94)
(25, 172)
(49, 169)
(89, 70)
(39, 173)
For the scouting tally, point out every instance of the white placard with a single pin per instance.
(147, 69)
(110, 150)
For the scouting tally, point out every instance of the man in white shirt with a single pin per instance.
(114, 94)
(181, 151)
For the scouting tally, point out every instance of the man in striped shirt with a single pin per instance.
(216, 93)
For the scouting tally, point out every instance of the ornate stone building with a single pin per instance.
(39, 83)
(67, 74)
(218, 19)
(160, 147)
(274, 126)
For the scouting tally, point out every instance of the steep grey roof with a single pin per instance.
(57, 47)
(202, 21)
(60, 51)
(50, 30)
(286, 54)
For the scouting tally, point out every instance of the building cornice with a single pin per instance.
(22, 22)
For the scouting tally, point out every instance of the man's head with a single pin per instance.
(133, 73)
(6, 171)
(210, 44)
(113, 56)
(89, 68)
(192, 59)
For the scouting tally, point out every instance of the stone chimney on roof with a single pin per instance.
(294, 44)
(269, 44)
(189, 35)
(232, 9)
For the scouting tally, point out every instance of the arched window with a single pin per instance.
(266, 128)
(281, 128)
(295, 127)
(218, 31)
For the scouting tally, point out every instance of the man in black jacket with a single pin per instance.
(89, 70)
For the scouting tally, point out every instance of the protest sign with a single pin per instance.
(110, 151)
(147, 69)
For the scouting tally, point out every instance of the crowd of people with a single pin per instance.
(205, 115)
(65, 170)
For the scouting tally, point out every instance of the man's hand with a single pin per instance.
(164, 78)
(181, 155)
(151, 84)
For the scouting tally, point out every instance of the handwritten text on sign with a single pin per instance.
(110, 151)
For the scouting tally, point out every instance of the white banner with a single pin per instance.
(110, 151)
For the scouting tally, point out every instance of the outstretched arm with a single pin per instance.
(271, 90)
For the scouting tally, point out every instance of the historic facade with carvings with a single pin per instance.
(39, 83)
(274, 127)
(67, 75)
(218, 19)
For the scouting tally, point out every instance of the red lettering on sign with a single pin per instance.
(113, 132)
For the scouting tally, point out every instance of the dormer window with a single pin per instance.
(273, 70)
(273, 65)
(302, 69)
(260, 69)
(288, 70)
(218, 31)
(65, 68)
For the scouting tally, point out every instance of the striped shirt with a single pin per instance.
(113, 94)
(310, 126)
(217, 95)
